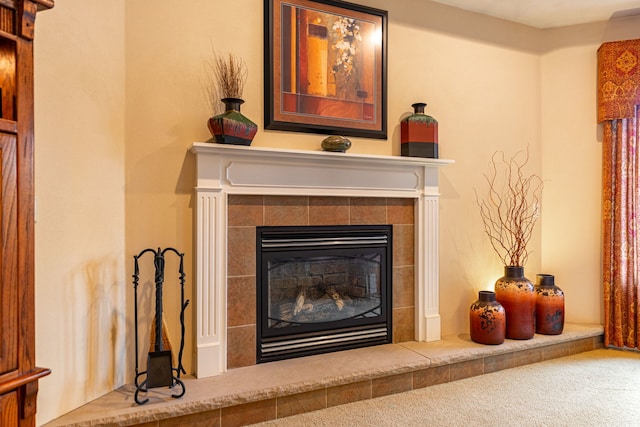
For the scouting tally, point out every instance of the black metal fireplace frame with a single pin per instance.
(328, 336)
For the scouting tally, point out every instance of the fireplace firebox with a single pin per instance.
(322, 289)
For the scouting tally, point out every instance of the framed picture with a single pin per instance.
(325, 68)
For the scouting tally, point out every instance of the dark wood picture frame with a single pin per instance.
(325, 68)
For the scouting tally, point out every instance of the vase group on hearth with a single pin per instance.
(517, 309)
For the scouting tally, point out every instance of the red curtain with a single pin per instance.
(618, 108)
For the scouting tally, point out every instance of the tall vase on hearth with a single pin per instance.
(549, 306)
(232, 127)
(517, 295)
(487, 319)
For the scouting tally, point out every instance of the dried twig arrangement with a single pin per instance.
(231, 75)
(228, 78)
(509, 211)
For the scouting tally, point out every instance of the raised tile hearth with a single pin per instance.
(273, 390)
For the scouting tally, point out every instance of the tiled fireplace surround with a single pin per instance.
(239, 188)
(247, 212)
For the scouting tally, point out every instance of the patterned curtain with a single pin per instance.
(618, 109)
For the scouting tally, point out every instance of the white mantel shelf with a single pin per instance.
(214, 148)
(314, 171)
(230, 169)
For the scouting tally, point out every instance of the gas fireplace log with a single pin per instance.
(335, 296)
(299, 303)
(287, 310)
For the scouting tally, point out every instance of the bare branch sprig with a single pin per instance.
(509, 208)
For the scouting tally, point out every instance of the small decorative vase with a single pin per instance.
(232, 127)
(336, 143)
(517, 295)
(419, 134)
(487, 319)
(549, 306)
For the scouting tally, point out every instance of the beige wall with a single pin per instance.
(120, 98)
(81, 293)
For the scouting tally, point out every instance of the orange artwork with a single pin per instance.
(325, 68)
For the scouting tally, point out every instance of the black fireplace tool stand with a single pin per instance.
(160, 371)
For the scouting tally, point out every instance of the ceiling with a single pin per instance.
(550, 13)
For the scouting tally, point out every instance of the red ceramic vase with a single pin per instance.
(419, 134)
(549, 306)
(487, 319)
(232, 127)
(517, 295)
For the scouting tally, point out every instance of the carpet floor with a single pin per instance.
(596, 388)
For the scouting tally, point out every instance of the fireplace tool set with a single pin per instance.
(160, 371)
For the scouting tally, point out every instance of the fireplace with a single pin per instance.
(322, 288)
(226, 171)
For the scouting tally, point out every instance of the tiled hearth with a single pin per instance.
(278, 389)
(245, 212)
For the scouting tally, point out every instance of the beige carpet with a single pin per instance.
(596, 388)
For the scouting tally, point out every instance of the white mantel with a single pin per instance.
(229, 169)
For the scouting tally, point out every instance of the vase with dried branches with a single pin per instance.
(229, 78)
(509, 212)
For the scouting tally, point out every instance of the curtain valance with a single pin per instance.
(618, 79)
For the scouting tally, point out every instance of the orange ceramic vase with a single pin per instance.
(487, 319)
(549, 306)
(517, 295)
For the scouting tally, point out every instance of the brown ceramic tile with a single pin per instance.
(348, 393)
(245, 210)
(241, 301)
(467, 369)
(328, 210)
(403, 324)
(431, 376)
(580, 346)
(365, 210)
(392, 384)
(498, 362)
(241, 346)
(301, 403)
(403, 287)
(403, 247)
(286, 210)
(400, 211)
(241, 259)
(249, 413)
(525, 357)
(556, 350)
(199, 419)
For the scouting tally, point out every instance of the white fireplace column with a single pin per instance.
(228, 169)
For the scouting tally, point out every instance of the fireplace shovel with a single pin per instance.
(160, 370)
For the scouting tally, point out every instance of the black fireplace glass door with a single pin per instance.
(322, 288)
(307, 290)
